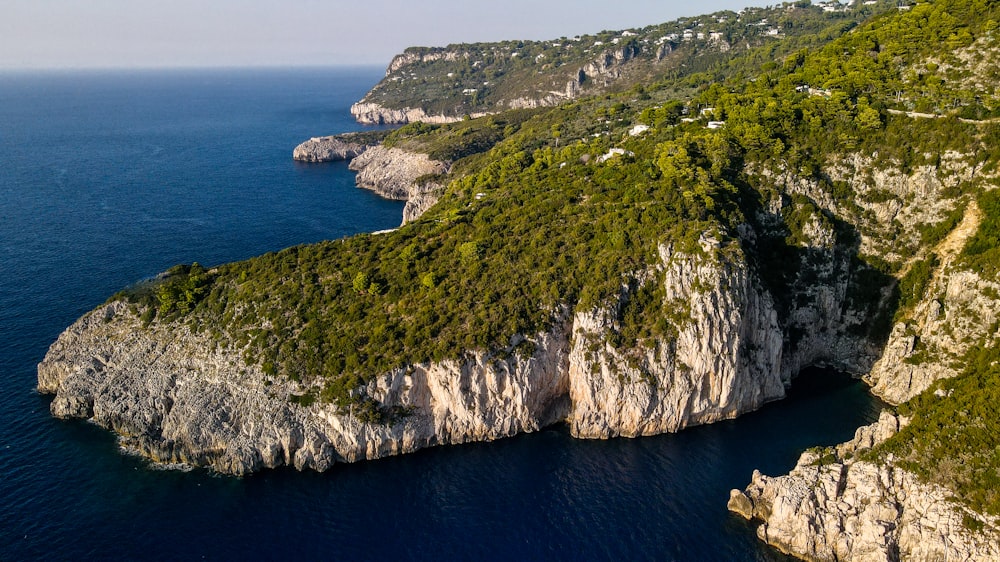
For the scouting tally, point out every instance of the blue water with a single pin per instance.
(108, 178)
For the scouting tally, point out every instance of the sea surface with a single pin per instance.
(107, 178)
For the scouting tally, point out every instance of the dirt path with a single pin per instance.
(917, 115)
(949, 248)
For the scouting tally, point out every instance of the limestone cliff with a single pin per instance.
(835, 506)
(958, 310)
(175, 395)
(719, 365)
(832, 505)
(392, 172)
(371, 113)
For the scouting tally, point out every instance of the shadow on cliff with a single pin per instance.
(834, 305)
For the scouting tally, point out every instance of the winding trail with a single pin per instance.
(918, 115)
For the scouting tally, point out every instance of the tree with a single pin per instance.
(868, 118)
(429, 280)
(361, 282)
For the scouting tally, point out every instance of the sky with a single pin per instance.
(214, 33)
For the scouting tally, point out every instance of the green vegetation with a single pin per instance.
(533, 222)
(953, 437)
(913, 285)
(174, 293)
(982, 252)
(472, 274)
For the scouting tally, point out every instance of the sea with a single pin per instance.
(109, 177)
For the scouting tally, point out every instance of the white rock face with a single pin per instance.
(389, 172)
(848, 509)
(371, 113)
(958, 310)
(174, 397)
(420, 198)
(392, 173)
(722, 364)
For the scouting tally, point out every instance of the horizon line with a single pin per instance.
(195, 67)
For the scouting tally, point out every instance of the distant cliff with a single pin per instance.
(446, 84)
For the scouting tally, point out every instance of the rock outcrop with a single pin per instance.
(392, 172)
(958, 310)
(719, 365)
(958, 307)
(330, 149)
(834, 506)
(175, 395)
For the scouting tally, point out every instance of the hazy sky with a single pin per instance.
(159, 33)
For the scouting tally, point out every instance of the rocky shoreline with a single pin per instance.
(835, 506)
(390, 172)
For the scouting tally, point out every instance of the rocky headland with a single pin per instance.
(175, 396)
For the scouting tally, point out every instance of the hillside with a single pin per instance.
(630, 263)
(442, 84)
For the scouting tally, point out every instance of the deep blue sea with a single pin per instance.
(107, 178)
